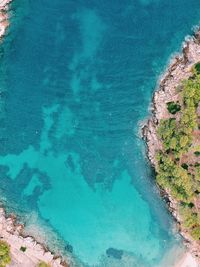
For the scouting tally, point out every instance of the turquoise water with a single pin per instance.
(76, 80)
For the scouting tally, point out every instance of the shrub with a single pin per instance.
(184, 140)
(43, 264)
(177, 137)
(166, 132)
(173, 107)
(197, 67)
(196, 233)
(4, 254)
(23, 249)
(197, 173)
(174, 178)
(184, 166)
(190, 218)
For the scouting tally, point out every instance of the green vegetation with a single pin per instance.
(191, 221)
(43, 264)
(197, 173)
(175, 137)
(173, 107)
(197, 68)
(178, 169)
(4, 254)
(184, 166)
(23, 249)
(174, 178)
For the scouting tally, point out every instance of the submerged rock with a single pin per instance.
(115, 253)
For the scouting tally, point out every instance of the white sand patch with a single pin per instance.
(187, 261)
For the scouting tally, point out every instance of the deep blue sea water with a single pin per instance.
(76, 81)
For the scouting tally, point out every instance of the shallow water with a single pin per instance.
(76, 80)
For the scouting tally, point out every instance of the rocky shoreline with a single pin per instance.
(179, 69)
(25, 250)
(4, 17)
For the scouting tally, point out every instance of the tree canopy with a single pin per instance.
(4, 253)
(177, 133)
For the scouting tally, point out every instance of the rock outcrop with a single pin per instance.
(4, 18)
(168, 90)
(33, 252)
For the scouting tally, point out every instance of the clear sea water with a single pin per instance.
(76, 81)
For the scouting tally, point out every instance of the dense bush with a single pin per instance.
(195, 233)
(23, 249)
(173, 107)
(190, 217)
(184, 166)
(4, 254)
(174, 178)
(191, 92)
(177, 136)
(197, 68)
(197, 173)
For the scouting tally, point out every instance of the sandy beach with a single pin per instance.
(187, 261)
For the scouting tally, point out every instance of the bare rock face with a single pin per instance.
(168, 90)
(4, 4)
(4, 19)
